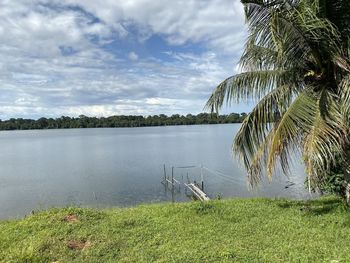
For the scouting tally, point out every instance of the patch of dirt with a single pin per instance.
(78, 244)
(71, 218)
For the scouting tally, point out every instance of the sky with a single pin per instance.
(113, 57)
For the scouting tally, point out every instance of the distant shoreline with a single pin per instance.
(121, 121)
(156, 126)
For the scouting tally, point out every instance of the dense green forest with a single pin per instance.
(119, 121)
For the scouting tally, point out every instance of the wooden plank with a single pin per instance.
(176, 181)
(170, 182)
(193, 192)
(198, 192)
(203, 195)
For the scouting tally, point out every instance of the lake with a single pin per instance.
(123, 167)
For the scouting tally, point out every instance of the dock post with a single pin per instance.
(202, 181)
(172, 184)
(172, 177)
(165, 181)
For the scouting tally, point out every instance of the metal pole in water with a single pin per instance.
(172, 183)
(172, 177)
(202, 181)
(165, 175)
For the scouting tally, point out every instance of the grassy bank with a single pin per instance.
(244, 230)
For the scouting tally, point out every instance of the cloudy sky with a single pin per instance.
(101, 58)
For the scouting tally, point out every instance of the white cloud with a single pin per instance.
(218, 22)
(53, 61)
(133, 56)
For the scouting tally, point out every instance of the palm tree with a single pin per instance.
(296, 67)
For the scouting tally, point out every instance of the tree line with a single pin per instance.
(83, 121)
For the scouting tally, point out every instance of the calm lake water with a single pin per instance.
(121, 167)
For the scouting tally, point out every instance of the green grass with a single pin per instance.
(237, 230)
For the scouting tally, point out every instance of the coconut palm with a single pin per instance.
(296, 67)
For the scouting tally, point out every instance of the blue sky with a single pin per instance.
(101, 58)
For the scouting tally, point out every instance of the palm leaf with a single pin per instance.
(288, 132)
(247, 85)
(325, 137)
(345, 99)
(252, 137)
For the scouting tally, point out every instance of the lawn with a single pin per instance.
(236, 230)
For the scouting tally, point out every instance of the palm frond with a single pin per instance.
(289, 130)
(338, 13)
(345, 99)
(324, 138)
(247, 85)
(257, 58)
(252, 138)
(259, 160)
(315, 119)
(297, 34)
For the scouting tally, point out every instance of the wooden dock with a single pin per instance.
(197, 192)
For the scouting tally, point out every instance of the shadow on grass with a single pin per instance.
(315, 207)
